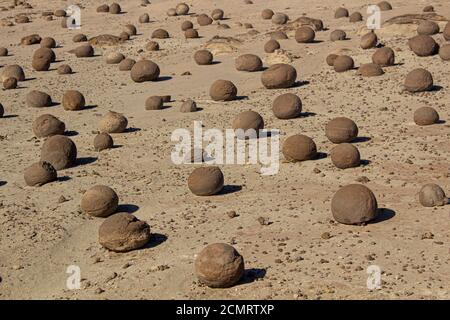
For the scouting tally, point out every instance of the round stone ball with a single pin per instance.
(113, 122)
(369, 40)
(217, 14)
(188, 106)
(39, 174)
(48, 42)
(191, 34)
(45, 53)
(3, 52)
(345, 155)
(10, 83)
(279, 76)
(305, 34)
(299, 148)
(248, 62)
(370, 70)
(223, 90)
(355, 17)
(206, 181)
(428, 9)
(152, 46)
(144, 70)
(47, 125)
(423, 46)
(330, 59)
(64, 69)
(38, 99)
(84, 51)
(338, 35)
(99, 201)
(73, 100)
(247, 125)
(271, 46)
(130, 29)
(343, 63)
(79, 38)
(13, 71)
(444, 52)
(160, 34)
(115, 8)
(287, 106)
(204, 20)
(354, 204)
(280, 18)
(219, 265)
(60, 151)
(341, 129)
(384, 6)
(428, 28)
(31, 39)
(41, 64)
(186, 25)
(144, 18)
(384, 57)
(114, 58)
(103, 141)
(432, 195)
(203, 57)
(267, 14)
(182, 9)
(123, 232)
(126, 64)
(341, 13)
(425, 116)
(446, 32)
(154, 103)
(419, 80)
(124, 36)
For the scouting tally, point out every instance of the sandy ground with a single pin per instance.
(291, 258)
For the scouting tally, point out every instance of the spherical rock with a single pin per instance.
(13, 71)
(267, 14)
(204, 20)
(341, 13)
(370, 70)
(123, 232)
(271, 46)
(103, 141)
(3, 52)
(99, 201)
(384, 57)
(38, 99)
(152, 46)
(338, 35)
(64, 69)
(299, 148)
(219, 265)
(341, 129)
(104, 8)
(84, 51)
(114, 58)
(182, 9)
(126, 64)
(330, 59)
(369, 40)
(355, 17)
(217, 14)
(145, 70)
(188, 106)
(154, 103)
(191, 34)
(73, 100)
(45, 53)
(428, 27)
(48, 43)
(280, 18)
(41, 64)
(206, 181)
(354, 204)
(10, 83)
(287, 106)
(432, 195)
(115, 8)
(79, 38)
(113, 122)
(39, 174)
(425, 116)
(30, 39)
(130, 29)
(343, 63)
(223, 90)
(144, 18)
(444, 52)
(419, 80)
(428, 9)
(248, 62)
(345, 155)
(279, 76)
(384, 6)
(423, 46)
(160, 34)
(47, 125)
(186, 25)
(304, 34)
(247, 124)
(60, 151)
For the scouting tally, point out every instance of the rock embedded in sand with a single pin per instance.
(115, 8)
(10, 83)
(3, 52)
(171, 12)
(60, 13)
(114, 58)
(345, 155)
(44, 53)
(13, 71)
(331, 58)
(191, 34)
(423, 45)
(305, 34)
(38, 99)
(343, 63)
(130, 29)
(113, 122)
(47, 125)
(154, 103)
(432, 195)
(444, 52)
(425, 116)
(206, 181)
(144, 18)
(60, 151)
(419, 80)
(2, 110)
(247, 124)
(428, 27)
(217, 14)
(279, 35)
(369, 40)
(39, 174)
(355, 17)
(103, 141)
(341, 13)
(104, 8)
(204, 20)
(219, 265)
(223, 90)
(152, 46)
(248, 62)
(48, 42)
(188, 106)
(271, 46)
(267, 14)
(341, 129)
(279, 76)
(84, 51)
(73, 100)
(182, 9)
(446, 32)
(160, 34)
(287, 106)
(144, 70)
(64, 69)
(79, 38)
(428, 9)
(186, 25)
(280, 18)
(338, 35)
(99, 201)
(299, 148)
(370, 70)
(384, 57)
(384, 6)
(31, 39)
(126, 64)
(354, 204)
(123, 232)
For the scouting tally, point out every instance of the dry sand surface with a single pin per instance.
(284, 228)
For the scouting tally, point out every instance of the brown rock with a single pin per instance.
(247, 124)
(223, 90)
(432, 195)
(103, 141)
(47, 125)
(299, 148)
(384, 57)
(248, 62)
(39, 174)
(113, 122)
(59, 151)
(423, 46)
(279, 76)
(38, 99)
(99, 201)
(341, 129)
(73, 100)
(419, 80)
(345, 155)
(425, 116)
(206, 181)
(287, 106)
